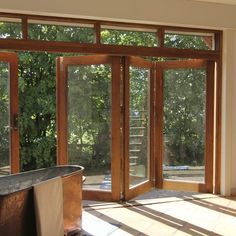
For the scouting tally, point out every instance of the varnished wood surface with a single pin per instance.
(61, 112)
(25, 27)
(209, 126)
(182, 64)
(183, 186)
(126, 130)
(218, 118)
(218, 101)
(37, 45)
(159, 148)
(116, 125)
(86, 60)
(98, 195)
(14, 111)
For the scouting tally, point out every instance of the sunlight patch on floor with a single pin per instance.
(162, 213)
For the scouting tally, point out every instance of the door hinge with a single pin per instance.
(121, 109)
(122, 196)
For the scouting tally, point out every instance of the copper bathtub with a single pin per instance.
(17, 217)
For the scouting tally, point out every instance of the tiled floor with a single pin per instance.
(162, 213)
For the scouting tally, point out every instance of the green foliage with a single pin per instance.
(37, 109)
(61, 33)
(184, 116)
(185, 42)
(89, 101)
(129, 38)
(10, 30)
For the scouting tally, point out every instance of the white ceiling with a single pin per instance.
(231, 2)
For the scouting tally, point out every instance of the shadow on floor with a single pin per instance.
(142, 205)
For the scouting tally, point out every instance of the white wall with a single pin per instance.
(229, 114)
(172, 12)
(184, 12)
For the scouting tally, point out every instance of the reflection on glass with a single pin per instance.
(89, 123)
(10, 29)
(128, 37)
(66, 33)
(189, 41)
(139, 126)
(4, 119)
(184, 124)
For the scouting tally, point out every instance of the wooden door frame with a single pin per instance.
(12, 60)
(27, 44)
(209, 126)
(62, 92)
(147, 185)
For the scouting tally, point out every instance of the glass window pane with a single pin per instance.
(89, 123)
(10, 28)
(129, 37)
(184, 124)
(139, 156)
(66, 33)
(189, 41)
(4, 119)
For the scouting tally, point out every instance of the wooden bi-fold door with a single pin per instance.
(185, 125)
(138, 132)
(136, 124)
(104, 115)
(88, 121)
(9, 133)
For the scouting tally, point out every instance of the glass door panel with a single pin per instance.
(4, 119)
(9, 134)
(185, 140)
(88, 121)
(138, 117)
(139, 126)
(184, 124)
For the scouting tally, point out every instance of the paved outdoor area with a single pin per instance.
(164, 213)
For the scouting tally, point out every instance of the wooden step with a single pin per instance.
(135, 118)
(136, 135)
(134, 127)
(135, 150)
(135, 143)
(132, 164)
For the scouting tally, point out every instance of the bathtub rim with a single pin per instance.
(74, 172)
